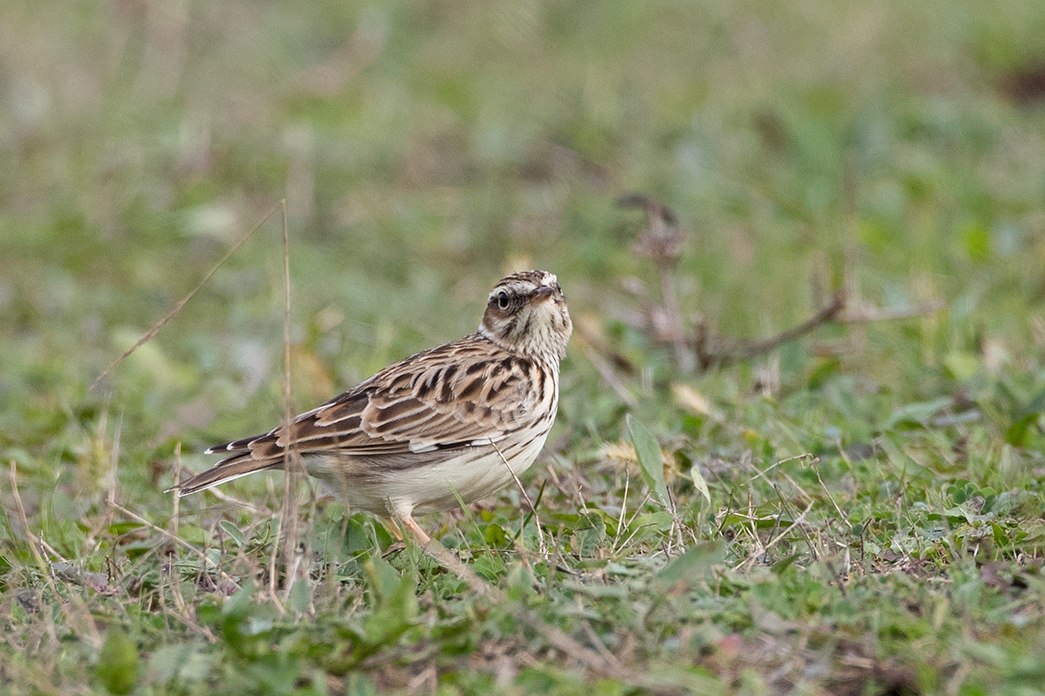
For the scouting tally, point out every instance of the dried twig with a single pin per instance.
(868, 314)
(87, 625)
(714, 351)
(661, 242)
(526, 496)
(183, 301)
(177, 540)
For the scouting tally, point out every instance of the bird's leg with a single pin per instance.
(408, 522)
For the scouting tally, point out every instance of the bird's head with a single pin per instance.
(526, 313)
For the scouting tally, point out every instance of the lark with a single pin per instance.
(461, 420)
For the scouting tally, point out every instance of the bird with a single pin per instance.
(456, 422)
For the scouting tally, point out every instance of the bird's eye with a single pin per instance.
(502, 300)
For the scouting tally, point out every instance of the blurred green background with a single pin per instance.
(425, 148)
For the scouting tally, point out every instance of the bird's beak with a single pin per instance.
(542, 294)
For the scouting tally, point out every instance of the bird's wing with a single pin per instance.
(464, 393)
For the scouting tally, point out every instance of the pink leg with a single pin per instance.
(409, 523)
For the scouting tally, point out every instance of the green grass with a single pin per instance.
(876, 522)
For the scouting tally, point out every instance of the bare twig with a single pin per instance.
(183, 301)
(661, 242)
(90, 633)
(526, 496)
(177, 540)
(606, 372)
(861, 315)
(711, 352)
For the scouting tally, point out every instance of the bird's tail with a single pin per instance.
(231, 468)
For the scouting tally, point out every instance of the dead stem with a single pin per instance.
(183, 301)
(177, 540)
(87, 625)
(526, 496)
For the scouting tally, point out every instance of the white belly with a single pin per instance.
(475, 473)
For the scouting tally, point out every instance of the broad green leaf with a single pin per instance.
(961, 366)
(233, 531)
(397, 606)
(383, 577)
(917, 413)
(495, 536)
(1016, 434)
(647, 449)
(300, 596)
(694, 564)
(699, 483)
(118, 662)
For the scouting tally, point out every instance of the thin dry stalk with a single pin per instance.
(176, 502)
(287, 526)
(623, 508)
(183, 301)
(87, 629)
(177, 540)
(526, 496)
(797, 522)
(173, 577)
(841, 515)
(761, 473)
(233, 500)
(292, 465)
(638, 511)
(605, 370)
(51, 550)
(661, 242)
(607, 665)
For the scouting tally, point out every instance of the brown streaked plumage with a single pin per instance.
(434, 426)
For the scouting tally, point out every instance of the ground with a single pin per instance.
(858, 511)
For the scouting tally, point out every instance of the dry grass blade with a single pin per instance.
(287, 526)
(183, 301)
(594, 661)
(716, 352)
(526, 496)
(661, 242)
(177, 540)
(87, 626)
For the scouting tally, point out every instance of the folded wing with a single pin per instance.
(458, 395)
